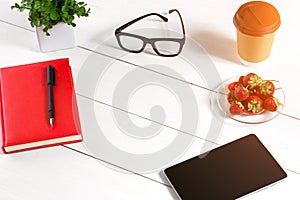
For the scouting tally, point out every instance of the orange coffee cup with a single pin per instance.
(256, 23)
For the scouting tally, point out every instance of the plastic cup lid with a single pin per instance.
(257, 18)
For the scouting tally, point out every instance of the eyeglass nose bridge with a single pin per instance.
(151, 42)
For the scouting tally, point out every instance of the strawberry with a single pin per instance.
(236, 108)
(232, 86)
(255, 90)
(241, 80)
(230, 97)
(241, 93)
(251, 80)
(271, 104)
(253, 105)
(266, 89)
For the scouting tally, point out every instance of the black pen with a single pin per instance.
(51, 82)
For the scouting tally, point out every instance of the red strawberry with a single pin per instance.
(241, 80)
(253, 105)
(230, 97)
(236, 108)
(255, 90)
(271, 104)
(251, 80)
(232, 86)
(266, 89)
(241, 93)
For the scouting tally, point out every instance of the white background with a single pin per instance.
(61, 173)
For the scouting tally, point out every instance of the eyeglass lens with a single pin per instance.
(167, 47)
(131, 43)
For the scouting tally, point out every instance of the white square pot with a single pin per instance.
(62, 36)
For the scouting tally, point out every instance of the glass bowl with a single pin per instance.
(219, 102)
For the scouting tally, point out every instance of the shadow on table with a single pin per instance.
(217, 45)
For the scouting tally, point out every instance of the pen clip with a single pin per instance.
(51, 75)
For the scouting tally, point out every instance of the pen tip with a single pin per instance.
(52, 121)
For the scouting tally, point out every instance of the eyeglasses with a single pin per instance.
(167, 47)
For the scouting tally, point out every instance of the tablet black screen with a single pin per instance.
(227, 172)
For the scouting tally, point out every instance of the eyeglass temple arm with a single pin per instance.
(183, 30)
(137, 19)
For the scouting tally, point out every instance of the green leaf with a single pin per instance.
(46, 29)
(47, 10)
(15, 6)
(82, 10)
(64, 8)
(38, 23)
(54, 15)
(37, 5)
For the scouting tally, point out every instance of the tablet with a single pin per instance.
(227, 172)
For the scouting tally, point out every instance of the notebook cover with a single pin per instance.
(24, 107)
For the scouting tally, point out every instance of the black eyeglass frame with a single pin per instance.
(151, 41)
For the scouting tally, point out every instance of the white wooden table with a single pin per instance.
(71, 172)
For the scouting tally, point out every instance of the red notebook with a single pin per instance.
(24, 107)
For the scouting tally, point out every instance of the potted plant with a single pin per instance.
(54, 21)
